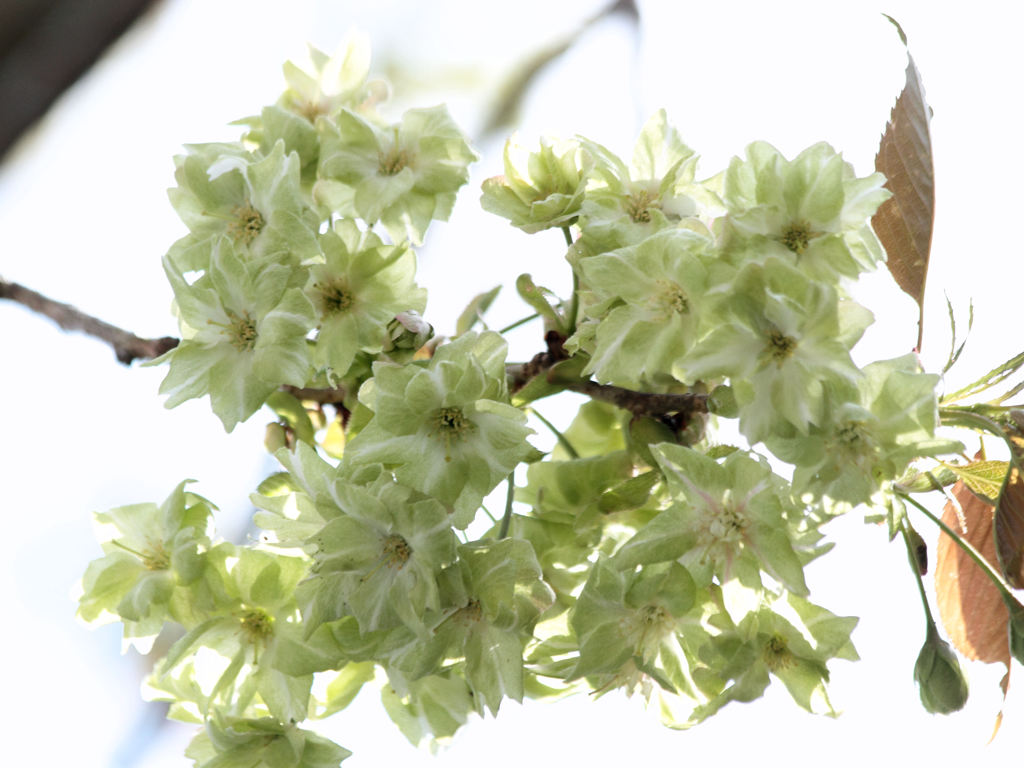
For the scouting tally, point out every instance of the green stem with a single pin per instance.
(994, 576)
(507, 519)
(917, 573)
(989, 380)
(487, 512)
(562, 439)
(963, 416)
(574, 302)
(517, 323)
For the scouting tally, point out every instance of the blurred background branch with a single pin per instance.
(45, 46)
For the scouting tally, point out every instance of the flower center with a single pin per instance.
(780, 346)
(850, 435)
(854, 443)
(336, 297)
(776, 654)
(156, 558)
(639, 205)
(651, 615)
(241, 332)
(396, 551)
(452, 425)
(721, 526)
(797, 237)
(257, 625)
(451, 422)
(726, 523)
(311, 110)
(393, 162)
(674, 298)
(470, 613)
(247, 225)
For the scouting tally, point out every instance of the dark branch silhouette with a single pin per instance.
(126, 345)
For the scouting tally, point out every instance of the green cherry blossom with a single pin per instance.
(244, 334)
(786, 637)
(497, 594)
(381, 554)
(732, 519)
(261, 742)
(871, 438)
(811, 210)
(548, 193)
(783, 340)
(357, 291)
(403, 175)
(318, 91)
(254, 200)
(623, 205)
(153, 556)
(659, 293)
(445, 427)
(335, 81)
(629, 624)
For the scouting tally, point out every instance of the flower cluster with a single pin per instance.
(640, 554)
(281, 264)
(741, 280)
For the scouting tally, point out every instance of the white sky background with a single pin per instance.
(84, 218)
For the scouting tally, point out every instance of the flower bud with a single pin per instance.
(275, 437)
(940, 680)
(409, 331)
(722, 402)
(540, 189)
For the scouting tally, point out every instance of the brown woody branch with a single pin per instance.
(519, 374)
(127, 346)
(667, 407)
(320, 396)
(643, 403)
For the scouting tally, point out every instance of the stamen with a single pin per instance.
(247, 224)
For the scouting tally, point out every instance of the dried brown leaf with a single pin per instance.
(1009, 523)
(971, 608)
(904, 222)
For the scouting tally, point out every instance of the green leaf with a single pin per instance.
(544, 301)
(290, 410)
(667, 537)
(474, 311)
(985, 478)
(345, 686)
(629, 494)
(996, 376)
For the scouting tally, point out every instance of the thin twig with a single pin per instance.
(127, 346)
(322, 396)
(642, 403)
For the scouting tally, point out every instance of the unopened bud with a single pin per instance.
(722, 402)
(409, 331)
(939, 677)
(275, 437)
